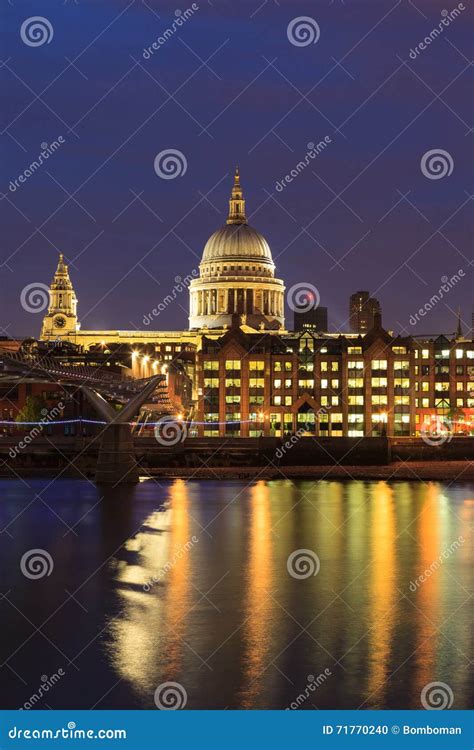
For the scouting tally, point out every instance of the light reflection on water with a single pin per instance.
(229, 623)
(221, 615)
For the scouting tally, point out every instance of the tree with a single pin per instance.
(34, 410)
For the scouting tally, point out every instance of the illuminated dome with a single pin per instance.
(236, 281)
(237, 242)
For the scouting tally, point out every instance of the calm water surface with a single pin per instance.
(223, 617)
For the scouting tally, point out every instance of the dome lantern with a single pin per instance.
(237, 202)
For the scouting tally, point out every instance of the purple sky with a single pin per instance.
(229, 87)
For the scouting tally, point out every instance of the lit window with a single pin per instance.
(355, 400)
(232, 364)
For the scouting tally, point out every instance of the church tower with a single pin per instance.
(61, 318)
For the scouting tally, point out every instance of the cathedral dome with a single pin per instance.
(236, 276)
(237, 242)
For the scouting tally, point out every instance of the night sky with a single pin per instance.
(228, 87)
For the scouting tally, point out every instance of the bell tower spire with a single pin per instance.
(237, 202)
(61, 318)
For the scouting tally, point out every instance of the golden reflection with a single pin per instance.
(259, 605)
(178, 586)
(427, 596)
(153, 585)
(382, 590)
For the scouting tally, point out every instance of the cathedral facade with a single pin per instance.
(236, 286)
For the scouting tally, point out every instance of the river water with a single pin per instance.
(196, 583)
